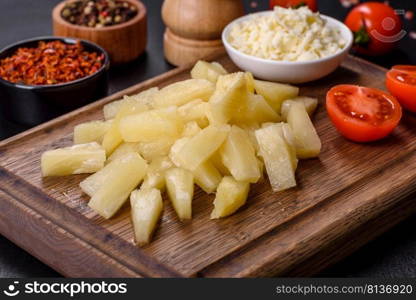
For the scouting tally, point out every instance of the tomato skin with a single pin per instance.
(378, 20)
(313, 6)
(356, 129)
(404, 91)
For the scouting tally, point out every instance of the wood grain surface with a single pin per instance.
(352, 193)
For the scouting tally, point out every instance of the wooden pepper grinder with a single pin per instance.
(194, 27)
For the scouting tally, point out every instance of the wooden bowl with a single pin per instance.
(124, 42)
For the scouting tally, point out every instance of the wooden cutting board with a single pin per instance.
(351, 194)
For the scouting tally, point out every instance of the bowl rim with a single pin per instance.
(338, 23)
(141, 14)
(105, 66)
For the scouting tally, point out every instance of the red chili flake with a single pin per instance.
(50, 63)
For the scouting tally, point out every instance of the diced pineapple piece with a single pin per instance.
(155, 177)
(180, 187)
(112, 139)
(151, 125)
(94, 182)
(190, 129)
(207, 177)
(183, 92)
(208, 71)
(287, 133)
(127, 172)
(146, 210)
(201, 146)
(277, 157)
(231, 195)
(157, 148)
(249, 82)
(250, 130)
(229, 98)
(218, 164)
(123, 149)
(239, 157)
(89, 132)
(256, 111)
(176, 149)
(275, 93)
(310, 105)
(78, 159)
(146, 97)
(307, 141)
(195, 111)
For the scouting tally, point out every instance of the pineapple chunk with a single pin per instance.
(146, 97)
(112, 139)
(249, 82)
(207, 177)
(146, 210)
(157, 148)
(89, 132)
(277, 157)
(218, 164)
(238, 155)
(307, 141)
(201, 146)
(190, 129)
(195, 111)
(78, 159)
(94, 182)
(256, 111)
(176, 149)
(229, 98)
(183, 92)
(127, 172)
(123, 149)
(155, 177)
(151, 125)
(275, 93)
(310, 105)
(231, 195)
(180, 187)
(208, 71)
(250, 130)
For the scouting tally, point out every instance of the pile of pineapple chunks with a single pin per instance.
(216, 130)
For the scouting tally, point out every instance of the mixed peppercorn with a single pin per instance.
(98, 13)
(50, 63)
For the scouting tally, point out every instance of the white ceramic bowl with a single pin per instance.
(288, 71)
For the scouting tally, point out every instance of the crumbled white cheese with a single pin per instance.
(286, 34)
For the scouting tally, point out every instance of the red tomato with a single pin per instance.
(294, 3)
(401, 82)
(362, 114)
(376, 27)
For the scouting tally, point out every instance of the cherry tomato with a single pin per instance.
(362, 114)
(294, 4)
(376, 27)
(401, 82)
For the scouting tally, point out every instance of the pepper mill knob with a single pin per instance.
(194, 27)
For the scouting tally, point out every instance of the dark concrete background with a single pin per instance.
(391, 255)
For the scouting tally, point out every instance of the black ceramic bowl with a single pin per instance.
(35, 104)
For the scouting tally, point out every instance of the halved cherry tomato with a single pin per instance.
(294, 4)
(376, 27)
(362, 114)
(401, 83)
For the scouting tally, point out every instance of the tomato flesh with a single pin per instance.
(362, 114)
(401, 82)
